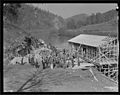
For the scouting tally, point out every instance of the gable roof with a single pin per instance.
(90, 40)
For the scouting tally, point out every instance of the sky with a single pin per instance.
(67, 10)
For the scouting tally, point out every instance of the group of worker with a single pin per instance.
(47, 58)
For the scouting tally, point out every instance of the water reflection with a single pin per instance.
(61, 42)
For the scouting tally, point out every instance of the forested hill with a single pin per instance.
(105, 28)
(76, 20)
(80, 20)
(20, 19)
(30, 17)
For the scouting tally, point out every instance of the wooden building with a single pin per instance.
(100, 50)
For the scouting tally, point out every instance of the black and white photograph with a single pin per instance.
(60, 47)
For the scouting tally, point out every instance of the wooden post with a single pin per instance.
(108, 70)
(99, 54)
(88, 53)
(82, 51)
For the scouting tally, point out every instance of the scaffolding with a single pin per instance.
(108, 58)
(104, 57)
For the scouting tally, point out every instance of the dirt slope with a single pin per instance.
(58, 80)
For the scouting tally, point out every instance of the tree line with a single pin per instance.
(29, 15)
(92, 19)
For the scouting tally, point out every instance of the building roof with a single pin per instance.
(90, 40)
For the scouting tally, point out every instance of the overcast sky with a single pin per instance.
(67, 10)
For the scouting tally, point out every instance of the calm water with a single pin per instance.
(53, 38)
(61, 42)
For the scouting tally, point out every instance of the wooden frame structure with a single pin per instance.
(104, 56)
(108, 58)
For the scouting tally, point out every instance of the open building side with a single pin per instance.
(102, 51)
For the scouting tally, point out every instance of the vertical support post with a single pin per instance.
(113, 53)
(78, 53)
(99, 54)
(82, 51)
(108, 70)
(86, 53)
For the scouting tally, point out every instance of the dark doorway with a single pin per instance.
(84, 51)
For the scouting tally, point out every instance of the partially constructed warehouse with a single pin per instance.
(102, 51)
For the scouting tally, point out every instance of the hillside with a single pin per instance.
(106, 28)
(80, 20)
(110, 14)
(110, 25)
(79, 17)
(37, 22)
(36, 18)
(12, 32)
